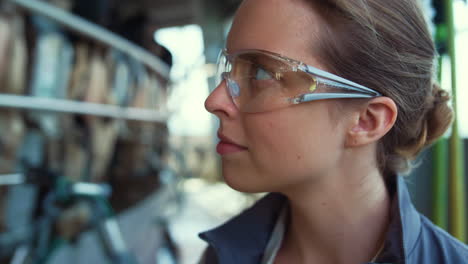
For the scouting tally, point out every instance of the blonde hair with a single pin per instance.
(386, 45)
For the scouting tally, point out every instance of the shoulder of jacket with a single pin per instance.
(438, 241)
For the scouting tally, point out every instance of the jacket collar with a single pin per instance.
(409, 217)
(404, 228)
(243, 239)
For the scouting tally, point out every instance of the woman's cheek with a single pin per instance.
(276, 145)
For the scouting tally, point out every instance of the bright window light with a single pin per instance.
(189, 76)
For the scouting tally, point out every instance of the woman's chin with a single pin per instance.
(244, 184)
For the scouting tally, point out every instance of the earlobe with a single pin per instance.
(372, 122)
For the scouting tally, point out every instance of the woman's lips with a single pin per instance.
(224, 148)
(227, 146)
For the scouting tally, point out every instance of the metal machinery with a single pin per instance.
(83, 125)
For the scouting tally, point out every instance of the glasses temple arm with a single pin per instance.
(334, 80)
(322, 96)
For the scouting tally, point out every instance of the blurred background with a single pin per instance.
(106, 150)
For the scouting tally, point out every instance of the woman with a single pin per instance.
(328, 148)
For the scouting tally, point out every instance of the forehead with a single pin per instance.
(287, 27)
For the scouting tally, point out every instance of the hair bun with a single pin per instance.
(437, 120)
(440, 96)
(439, 116)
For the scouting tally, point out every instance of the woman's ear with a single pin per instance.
(372, 122)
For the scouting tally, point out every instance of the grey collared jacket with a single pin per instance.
(411, 238)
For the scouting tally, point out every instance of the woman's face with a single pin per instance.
(277, 150)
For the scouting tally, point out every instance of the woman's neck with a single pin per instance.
(337, 220)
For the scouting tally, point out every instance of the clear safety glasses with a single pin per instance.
(260, 81)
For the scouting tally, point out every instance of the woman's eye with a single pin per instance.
(262, 74)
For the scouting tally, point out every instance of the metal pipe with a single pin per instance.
(84, 108)
(440, 170)
(12, 179)
(95, 32)
(457, 174)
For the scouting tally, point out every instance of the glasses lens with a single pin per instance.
(222, 67)
(260, 81)
(264, 82)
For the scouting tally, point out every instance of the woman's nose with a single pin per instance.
(219, 102)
